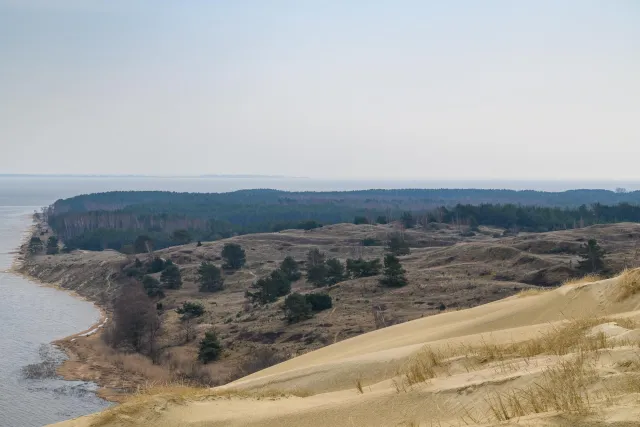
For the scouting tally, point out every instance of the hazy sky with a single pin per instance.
(343, 89)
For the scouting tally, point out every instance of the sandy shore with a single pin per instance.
(80, 364)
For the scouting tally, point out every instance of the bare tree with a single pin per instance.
(136, 325)
(188, 326)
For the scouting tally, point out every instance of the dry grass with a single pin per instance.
(589, 278)
(422, 366)
(562, 388)
(626, 322)
(629, 283)
(137, 364)
(571, 337)
(567, 338)
(359, 386)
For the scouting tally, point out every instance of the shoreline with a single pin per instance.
(74, 367)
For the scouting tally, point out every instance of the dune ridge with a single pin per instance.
(567, 356)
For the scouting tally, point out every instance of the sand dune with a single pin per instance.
(568, 356)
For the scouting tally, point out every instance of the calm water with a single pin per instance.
(32, 316)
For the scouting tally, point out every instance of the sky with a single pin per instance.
(324, 89)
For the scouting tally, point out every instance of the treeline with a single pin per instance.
(135, 222)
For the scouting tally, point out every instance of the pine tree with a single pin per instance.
(335, 271)
(210, 277)
(234, 256)
(397, 245)
(210, 347)
(591, 257)
(394, 274)
(171, 277)
(297, 308)
(289, 266)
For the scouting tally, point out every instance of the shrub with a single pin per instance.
(210, 277)
(370, 241)
(210, 348)
(397, 245)
(269, 288)
(319, 301)
(290, 268)
(308, 225)
(190, 310)
(143, 244)
(52, 245)
(407, 220)
(317, 274)
(361, 268)
(394, 274)
(35, 245)
(359, 220)
(156, 265)
(382, 219)
(335, 271)
(315, 258)
(152, 286)
(171, 277)
(296, 308)
(234, 256)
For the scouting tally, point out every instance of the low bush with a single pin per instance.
(319, 301)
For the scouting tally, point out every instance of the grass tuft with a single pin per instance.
(562, 388)
(589, 278)
(629, 283)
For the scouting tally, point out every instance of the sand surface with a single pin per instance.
(468, 365)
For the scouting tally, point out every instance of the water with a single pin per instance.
(32, 316)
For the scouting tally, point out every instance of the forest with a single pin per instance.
(135, 221)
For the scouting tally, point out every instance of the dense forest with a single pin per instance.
(136, 221)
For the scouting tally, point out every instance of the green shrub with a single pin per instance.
(370, 241)
(171, 277)
(394, 274)
(268, 289)
(335, 271)
(156, 265)
(319, 301)
(210, 348)
(210, 277)
(189, 310)
(397, 245)
(359, 220)
(297, 308)
(361, 268)
(152, 286)
(290, 268)
(234, 256)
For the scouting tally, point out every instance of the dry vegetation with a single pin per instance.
(518, 361)
(629, 283)
(447, 272)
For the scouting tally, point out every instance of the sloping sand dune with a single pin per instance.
(569, 356)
